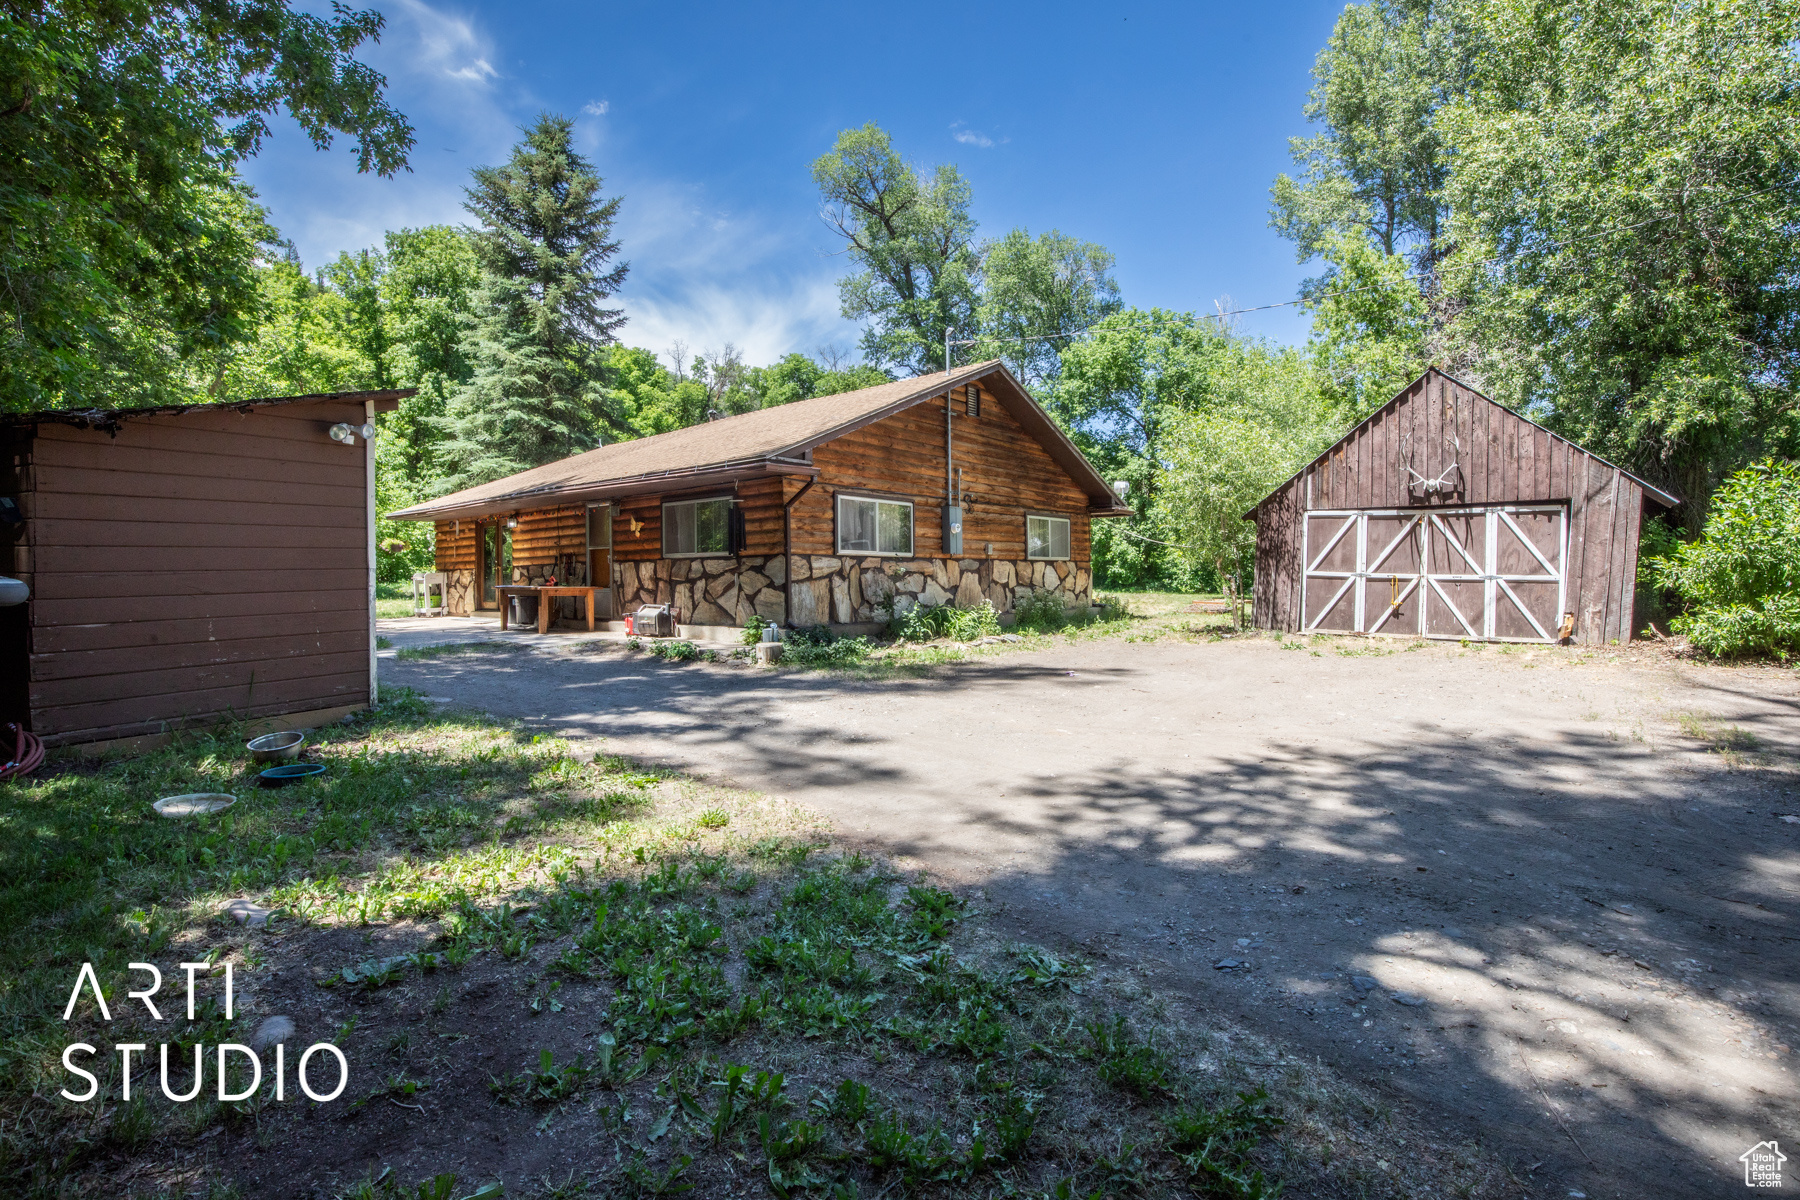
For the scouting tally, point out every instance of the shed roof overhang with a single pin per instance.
(111, 419)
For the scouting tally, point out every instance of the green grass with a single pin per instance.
(748, 1000)
(441, 649)
(393, 600)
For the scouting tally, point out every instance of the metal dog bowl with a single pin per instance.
(273, 747)
(194, 804)
(291, 773)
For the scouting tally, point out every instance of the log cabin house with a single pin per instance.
(945, 489)
(189, 564)
(1446, 515)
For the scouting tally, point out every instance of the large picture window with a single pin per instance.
(691, 528)
(874, 526)
(1047, 537)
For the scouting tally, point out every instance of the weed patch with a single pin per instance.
(559, 951)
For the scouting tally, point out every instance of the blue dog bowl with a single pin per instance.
(291, 773)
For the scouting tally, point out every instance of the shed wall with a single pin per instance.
(193, 566)
(1500, 458)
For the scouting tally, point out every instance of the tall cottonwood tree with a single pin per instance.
(909, 234)
(1626, 188)
(920, 273)
(1036, 294)
(1379, 165)
(538, 342)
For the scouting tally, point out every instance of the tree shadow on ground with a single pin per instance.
(1585, 955)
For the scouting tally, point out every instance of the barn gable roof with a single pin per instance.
(1406, 393)
(767, 441)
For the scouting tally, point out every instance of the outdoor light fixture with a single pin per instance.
(1121, 486)
(512, 522)
(346, 434)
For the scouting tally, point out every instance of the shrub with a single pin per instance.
(1112, 608)
(922, 624)
(753, 629)
(819, 647)
(675, 651)
(1741, 579)
(1041, 610)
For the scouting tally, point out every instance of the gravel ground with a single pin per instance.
(1539, 895)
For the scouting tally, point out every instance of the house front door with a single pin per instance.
(496, 563)
(599, 554)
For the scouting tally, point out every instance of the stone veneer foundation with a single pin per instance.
(828, 590)
(837, 590)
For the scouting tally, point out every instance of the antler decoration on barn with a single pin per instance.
(1449, 480)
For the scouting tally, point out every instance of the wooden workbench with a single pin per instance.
(544, 597)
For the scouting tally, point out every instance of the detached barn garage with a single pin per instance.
(188, 564)
(1446, 515)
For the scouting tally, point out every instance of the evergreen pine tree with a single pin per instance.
(540, 332)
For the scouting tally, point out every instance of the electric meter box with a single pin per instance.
(953, 531)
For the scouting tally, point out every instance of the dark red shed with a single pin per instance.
(1446, 515)
(188, 564)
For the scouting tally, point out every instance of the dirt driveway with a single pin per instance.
(1542, 895)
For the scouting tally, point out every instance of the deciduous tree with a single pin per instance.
(127, 245)
(1627, 178)
(909, 234)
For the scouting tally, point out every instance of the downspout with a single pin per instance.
(369, 489)
(787, 547)
(949, 486)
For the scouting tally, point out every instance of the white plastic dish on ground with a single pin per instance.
(194, 804)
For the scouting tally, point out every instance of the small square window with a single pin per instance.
(696, 527)
(874, 526)
(1047, 537)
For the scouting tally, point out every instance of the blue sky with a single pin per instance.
(1154, 130)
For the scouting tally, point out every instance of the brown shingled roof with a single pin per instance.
(769, 440)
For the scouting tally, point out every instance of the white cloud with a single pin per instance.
(707, 275)
(443, 44)
(763, 319)
(596, 108)
(476, 72)
(970, 137)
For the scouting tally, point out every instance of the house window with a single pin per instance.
(874, 526)
(1047, 537)
(695, 527)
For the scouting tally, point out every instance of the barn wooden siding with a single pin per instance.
(195, 565)
(1503, 459)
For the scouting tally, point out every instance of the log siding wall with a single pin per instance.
(1501, 459)
(192, 566)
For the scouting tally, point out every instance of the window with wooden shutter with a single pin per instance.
(692, 528)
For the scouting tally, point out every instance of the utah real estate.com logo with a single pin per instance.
(1762, 1165)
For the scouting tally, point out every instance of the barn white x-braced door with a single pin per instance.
(1494, 573)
